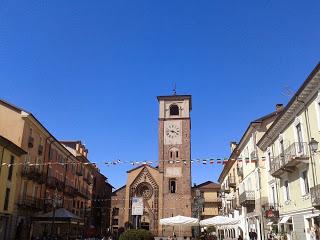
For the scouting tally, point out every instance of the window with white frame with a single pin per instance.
(273, 195)
(269, 159)
(304, 182)
(286, 191)
(299, 137)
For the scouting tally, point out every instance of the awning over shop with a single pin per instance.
(285, 219)
(61, 215)
(313, 215)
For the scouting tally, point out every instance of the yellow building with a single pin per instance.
(210, 193)
(10, 154)
(290, 145)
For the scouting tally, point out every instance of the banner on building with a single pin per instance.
(137, 206)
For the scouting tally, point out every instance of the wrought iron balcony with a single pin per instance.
(54, 183)
(89, 179)
(225, 189)
(33, 173)
(79, 171)
(287, 161)
(315, 196)
(232, 181)
(70, 190)
(247, 198)
(30, 202)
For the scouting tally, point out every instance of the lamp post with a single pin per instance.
(54, 202)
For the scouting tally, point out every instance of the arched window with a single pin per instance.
(174, 110)
(172, 186)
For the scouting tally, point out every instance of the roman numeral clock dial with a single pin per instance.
(172, 132)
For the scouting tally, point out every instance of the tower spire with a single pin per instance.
(174, 91)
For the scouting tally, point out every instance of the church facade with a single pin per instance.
(165, 190)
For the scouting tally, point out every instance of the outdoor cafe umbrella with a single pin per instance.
(219, 221)
(179, 221)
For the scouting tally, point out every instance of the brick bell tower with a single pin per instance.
(174, 157)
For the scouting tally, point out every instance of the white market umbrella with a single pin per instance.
(179, 221)
(219, 221)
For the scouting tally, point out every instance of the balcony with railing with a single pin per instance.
(225, 189)
(29, 202)
(79, 171)
(287, 161)
(247, 198)
(70, 190)
(89, 179)
(55, 183)
(33, 173)
(315, 196)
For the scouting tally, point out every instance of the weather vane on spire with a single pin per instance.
(174, 91)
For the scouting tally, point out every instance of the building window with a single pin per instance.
(174, 110)
(286, 190)
(172, 186)
(6, 199)
(115, 222)
(281, 148)
(10, 170)
(305, 182)
(115, 212)
(269, 160)
(177, 154)
(299, 135)
(273, 196)
(171, 154)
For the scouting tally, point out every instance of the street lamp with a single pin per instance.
(313, 145)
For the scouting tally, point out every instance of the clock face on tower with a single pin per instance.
(172, 132)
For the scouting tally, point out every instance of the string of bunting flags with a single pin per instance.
(209, 161)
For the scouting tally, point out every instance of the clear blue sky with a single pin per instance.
(91, 70)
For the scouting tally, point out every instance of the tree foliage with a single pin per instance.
(136, 234)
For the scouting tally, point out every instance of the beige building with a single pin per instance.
(293, 165)
(242, 181)
(209, 192)
(10, 154)
(165, 190)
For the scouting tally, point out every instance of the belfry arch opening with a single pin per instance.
(174, 110)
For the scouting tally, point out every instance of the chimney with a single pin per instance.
(233, 145)
(279, 107)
